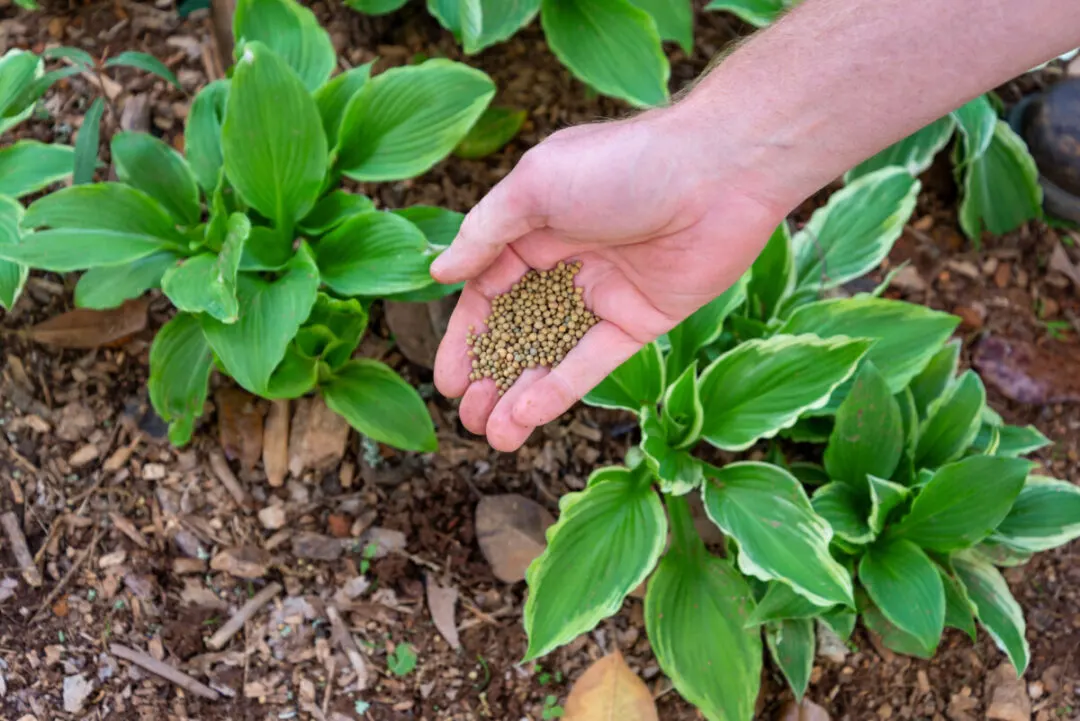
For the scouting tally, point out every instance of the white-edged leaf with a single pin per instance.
(1045, 515)
(12, 275)
(997, 610)
(1001, 188)
(639, 381)
(952, 422)
(792, 644)
(915, 153)
(607, 540)
(702, 327)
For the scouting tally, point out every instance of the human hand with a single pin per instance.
(660, 230)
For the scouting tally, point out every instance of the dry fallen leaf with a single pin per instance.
(1060, 261)
(317, 438)
(610, 691)
(240, 425)
(510, 530)
(805, 711)
(418, 327)
(441, 601)
(1009, 700)
(276, 443)
(242, 562)
(85, 328)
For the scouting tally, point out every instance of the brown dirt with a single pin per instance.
(123, 551)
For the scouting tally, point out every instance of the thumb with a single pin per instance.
(505, 214)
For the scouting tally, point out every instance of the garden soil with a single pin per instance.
(153, 548)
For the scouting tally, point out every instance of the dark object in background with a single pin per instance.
(1050, 125)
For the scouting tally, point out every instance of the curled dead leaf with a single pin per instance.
(87, 328)
(510, 530)
(610, 690)
(317, 438)
(441, 601)
(276, 443)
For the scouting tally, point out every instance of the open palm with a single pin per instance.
(658, 233)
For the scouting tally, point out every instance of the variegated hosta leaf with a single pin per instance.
(997, 610)
(1045, 515)
(638, 382)
(763, 386)
(607, 540)
(780, 537)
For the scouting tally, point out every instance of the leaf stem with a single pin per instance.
(684, 536)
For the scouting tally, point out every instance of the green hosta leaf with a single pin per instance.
(938, 374)
(29, 166)
(153, 167)
(846, 510)
(792, 644)
(812, 429)
(12, 275)
(915, 153)
(439, 225)
(855, 230)
(762, 386)
(677, 471)
(1001, 187)
(68, 53)
(1000, 554)
(977, 121)
(952, 422)
(373, 254)
(809, 474)
(696, 609)
(86, 144)
(905, 470)
(884, 497)
(482, 23)
(344, 322)
(779, 603)
(841, 620)
(18, 71)
(1012, 441)
(638, 382)
(607, 541)
(893, 637)
(772, 277)
(202, 135)
(448, 13)
(275, 153)
(868, 437)
(109, 286)
(378, 403)
(907, 335)
(375, 7)
(683, 414)
(407, 119)
(495, 128)
(206, 283)
(674, 20)
(291, 31)
(92, 225)
(334, 97)
(758, 13)
(905, 585)
(266, 249)
(703, 327)
(334, 209)
(610, 45)
(780, 536)
(295, 376)
(271, 312)
(997, 610)
(180, 364)
(1045, 515)
(959, 610)
(963, 503)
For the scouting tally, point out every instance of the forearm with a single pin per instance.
(835, 81)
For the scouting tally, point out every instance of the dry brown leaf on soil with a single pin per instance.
(610, 691)
(1060, 262)
(317, 438)
(1009, 700)
(805, 711)
(510, 530)
(276, 443)
(441, 601)
(1029, 373)
(240, 425)
(242, 562)
(418, 327)
(86, 328)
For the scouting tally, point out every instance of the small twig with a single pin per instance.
(20, 549)
(347, 643)
(249, 609)
(224, 474)
(164, 670)
(332, 667)
(67, 576)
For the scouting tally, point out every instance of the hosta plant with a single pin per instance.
(271, 265)
(854, 472)
(614, 46)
